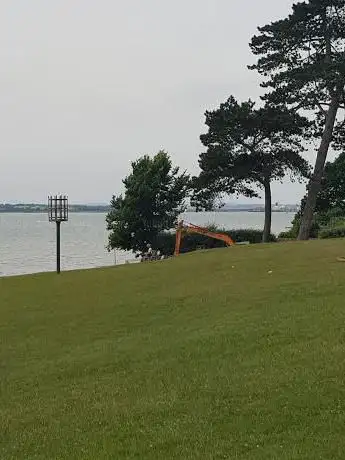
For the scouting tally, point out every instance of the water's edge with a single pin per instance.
(27, 241)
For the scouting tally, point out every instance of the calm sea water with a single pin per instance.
(27, 241)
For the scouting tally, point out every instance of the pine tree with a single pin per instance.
(248, 148)
(302, 58)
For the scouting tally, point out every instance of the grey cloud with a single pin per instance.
(87, 86)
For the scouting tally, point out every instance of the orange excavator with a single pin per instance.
(190, 228)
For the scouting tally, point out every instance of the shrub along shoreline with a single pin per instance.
(192, 242)
(329, 224)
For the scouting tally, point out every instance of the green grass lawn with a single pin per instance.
(208, 356)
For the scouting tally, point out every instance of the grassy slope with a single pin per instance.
(182, 359)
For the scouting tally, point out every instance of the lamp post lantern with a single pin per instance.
(58, 212)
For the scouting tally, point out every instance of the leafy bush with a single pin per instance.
(249, 234)
(193, 241)
(326, 224)
(330, 218)
(334, 217)
(288, 235)
(294, 230)
(336, 232)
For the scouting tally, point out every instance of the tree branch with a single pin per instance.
(327, 104)
(342, 25)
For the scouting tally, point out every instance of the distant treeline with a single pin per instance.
(41, 208)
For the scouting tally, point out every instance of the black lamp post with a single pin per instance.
(58, 212)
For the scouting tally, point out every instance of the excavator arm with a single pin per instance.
(190, 228)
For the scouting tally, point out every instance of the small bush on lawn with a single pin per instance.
(289, 235)
(337, 232)
(294, 230)
(249, 234)
(191, 242)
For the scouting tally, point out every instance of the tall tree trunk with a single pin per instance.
(315, 181)
(268, 212)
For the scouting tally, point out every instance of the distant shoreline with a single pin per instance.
(105, 211)
(42, 209)
(32, 208)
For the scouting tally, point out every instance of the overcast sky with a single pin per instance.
(89, 85)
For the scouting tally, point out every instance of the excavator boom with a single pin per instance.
(190, 228)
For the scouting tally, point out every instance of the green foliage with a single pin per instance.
(330, 204)
(336, 232)
(192, 242)
(322, 221)
(287, 235)
(154, 197)
(247, 148)
(332, 193)
(301, 56)
(331, 218)
(294, 230)
(251, 235)
(302, 60)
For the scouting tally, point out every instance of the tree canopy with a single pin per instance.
(330, 204)
(248, 148)
(155, 194)
(332, 194)
(302, 60)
